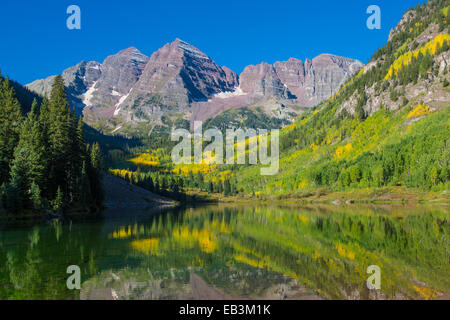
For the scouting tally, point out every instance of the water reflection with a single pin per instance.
(235, 251)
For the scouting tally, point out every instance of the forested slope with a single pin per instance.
(387, 126)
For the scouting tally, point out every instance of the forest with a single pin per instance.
(45, 163)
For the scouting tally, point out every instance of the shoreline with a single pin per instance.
(386, 195)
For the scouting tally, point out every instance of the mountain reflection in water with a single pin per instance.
(234, 251)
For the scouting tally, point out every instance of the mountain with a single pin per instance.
(283, 90)
(386, 129)
(179, 84)
(175, 76)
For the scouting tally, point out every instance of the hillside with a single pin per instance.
(388, 126)
(384, 135)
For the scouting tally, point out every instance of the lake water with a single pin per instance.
(234, 251)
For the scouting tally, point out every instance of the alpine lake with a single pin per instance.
(228, 251)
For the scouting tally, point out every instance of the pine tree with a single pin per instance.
(58, 202)
(29, 153)
(76, 157)
(46, 185)
(95, 175)
(35, 192)
(210, 187)
(3, 190)
(20, 174)
(10, 122)
(226, 188)
(233, 188)
(151, 186)
(14, 200)
(59, 133)
(85, 188)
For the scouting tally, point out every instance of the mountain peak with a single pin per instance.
(188, 49)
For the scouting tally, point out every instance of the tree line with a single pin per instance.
(173, 185)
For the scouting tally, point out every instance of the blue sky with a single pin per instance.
(36, 43)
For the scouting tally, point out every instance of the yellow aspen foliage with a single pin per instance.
(204, 238)
(314, 147)
(146, 246)
(342, 151)
(206, 241)
(121, 172)
(344, 253)
(445, 11)
(405, 59)
(146, 160)
(419, 111)
(303, 219)
(251, 262)
(425, 292)
(302, 184)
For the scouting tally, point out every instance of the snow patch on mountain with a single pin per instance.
(189, 49)
(228, 94)
(121, 100)
(88, 95)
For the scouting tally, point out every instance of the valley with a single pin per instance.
(361, 159)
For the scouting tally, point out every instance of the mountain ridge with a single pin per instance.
(181, 82)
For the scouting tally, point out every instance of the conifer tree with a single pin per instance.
(14, 200)
(10, 121)
(96, 176)
(58, 202)
(226, 188)
(35, 193)
(29, 153)
(85, 187)
(59, 132)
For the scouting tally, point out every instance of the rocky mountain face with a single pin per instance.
(317, 79)
(280, 89)
(181, 83)
(77, 79)
(175, 76)
(306, 84)
(95, 88)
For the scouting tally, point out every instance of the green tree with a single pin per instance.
(226, 188)
(10, 122)
(35, 193)
(59, 135)
(210, 187)
(29, 153)
(95, 175)
(58, 202)
(14, 199)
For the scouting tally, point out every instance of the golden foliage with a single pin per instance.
(343, 150)
(345, 252)
(425, 292)
(405, 59)
(204, 238)
(419, 111)
(146, 246)
(146, 159)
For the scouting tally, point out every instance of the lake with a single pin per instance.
(234, 251)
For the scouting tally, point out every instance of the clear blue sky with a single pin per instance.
(36, 43)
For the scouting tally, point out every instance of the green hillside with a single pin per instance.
(387, 126)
